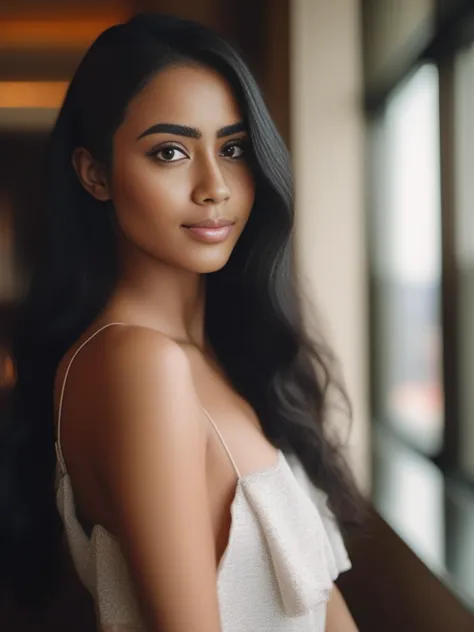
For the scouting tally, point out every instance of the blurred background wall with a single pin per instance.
(327, 142)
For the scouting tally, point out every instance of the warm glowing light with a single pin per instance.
(54, 33)
(32, 94)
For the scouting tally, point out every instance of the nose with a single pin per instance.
(211, 187)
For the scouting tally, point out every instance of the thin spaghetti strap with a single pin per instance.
(59, 452)
(223, 443)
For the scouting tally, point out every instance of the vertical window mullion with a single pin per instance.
(449, 456)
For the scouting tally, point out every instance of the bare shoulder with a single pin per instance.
(115, 353)
(142, 381)
(125, 348)
(118, 378)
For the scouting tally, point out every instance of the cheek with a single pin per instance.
(243, 191)
(148, 208)
(142, 193)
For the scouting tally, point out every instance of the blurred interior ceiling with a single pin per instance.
(45, 40)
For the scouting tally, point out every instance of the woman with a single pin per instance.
(164, 316)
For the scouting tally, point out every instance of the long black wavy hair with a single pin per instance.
(269, 357)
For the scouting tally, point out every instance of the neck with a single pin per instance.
(154, 294)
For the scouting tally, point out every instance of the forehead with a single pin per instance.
(188, 95)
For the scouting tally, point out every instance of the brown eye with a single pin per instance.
(169, 153)
(234, 150)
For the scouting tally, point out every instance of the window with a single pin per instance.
(406, 263)
(421, 236)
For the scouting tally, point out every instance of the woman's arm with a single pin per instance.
(150, 457)
(338, 618)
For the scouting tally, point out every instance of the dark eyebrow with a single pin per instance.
(231, 129)
(190, 132)
(171, 128)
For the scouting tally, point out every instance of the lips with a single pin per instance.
(210, 231)
(210, 223)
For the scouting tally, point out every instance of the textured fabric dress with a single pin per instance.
(284, 552)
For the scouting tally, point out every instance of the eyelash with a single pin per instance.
(242, 144)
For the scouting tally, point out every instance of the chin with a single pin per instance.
(209, 267)
(211, 264)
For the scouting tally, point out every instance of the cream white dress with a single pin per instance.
(284, 552)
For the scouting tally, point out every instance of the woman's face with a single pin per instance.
(180, 158)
